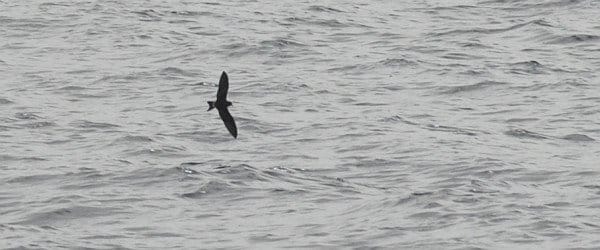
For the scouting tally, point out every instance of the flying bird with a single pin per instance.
(221, 104)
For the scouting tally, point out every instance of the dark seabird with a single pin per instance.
(221, 104)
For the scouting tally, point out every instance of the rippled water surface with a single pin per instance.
(362, 124)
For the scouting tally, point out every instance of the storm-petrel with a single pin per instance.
(221, 104)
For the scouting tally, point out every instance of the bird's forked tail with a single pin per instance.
(211, 105)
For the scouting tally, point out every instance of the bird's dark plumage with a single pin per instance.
(221, 104)
(228, 120)
(223, 87)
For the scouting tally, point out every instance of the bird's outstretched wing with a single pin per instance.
(223, 87)
(228, 120)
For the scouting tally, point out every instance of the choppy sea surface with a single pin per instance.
(362, 124)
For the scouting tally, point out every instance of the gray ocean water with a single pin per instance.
(362, 124)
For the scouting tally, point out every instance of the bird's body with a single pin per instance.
(217, 104)
(221, 105)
